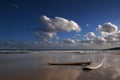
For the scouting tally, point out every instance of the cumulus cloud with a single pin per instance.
(108, 28)
(109, 33)
(90, 35)
(117, 35)
(87, 40)
(69, 41)
(100, 40)
(114, 37)
(51, 26)
(45, 36)
(59, 24)
(95, 40)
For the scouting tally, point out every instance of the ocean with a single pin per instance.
(33, 65)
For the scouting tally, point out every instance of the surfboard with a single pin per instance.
(71, 63)
(93, 66)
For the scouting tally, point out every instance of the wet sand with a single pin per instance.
(35, 67)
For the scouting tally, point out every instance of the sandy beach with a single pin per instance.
(35, 67)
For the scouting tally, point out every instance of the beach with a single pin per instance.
(34, 66)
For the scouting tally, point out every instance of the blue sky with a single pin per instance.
(19, 18)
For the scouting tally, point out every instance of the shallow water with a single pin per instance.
(34, 66)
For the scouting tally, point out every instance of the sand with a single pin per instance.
(34, 67)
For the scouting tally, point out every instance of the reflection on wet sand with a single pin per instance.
(40, 74)
(34, 67)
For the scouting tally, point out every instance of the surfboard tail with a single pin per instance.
(92, 67)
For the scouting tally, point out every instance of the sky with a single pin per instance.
(60, 21)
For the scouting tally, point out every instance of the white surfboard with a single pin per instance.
(93, 66)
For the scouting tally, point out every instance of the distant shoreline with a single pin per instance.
(115, 48)
(51, 49)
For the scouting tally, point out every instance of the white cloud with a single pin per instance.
(45, 36)
(69, 41)
(87, 25)
(113, 37)
(108, 28)
(90, 35)
(109, 33)
(59, 24)
(99, 40)
(50, 34)
(87, 40)
(50, 27)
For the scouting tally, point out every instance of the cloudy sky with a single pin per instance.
(84, 22)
